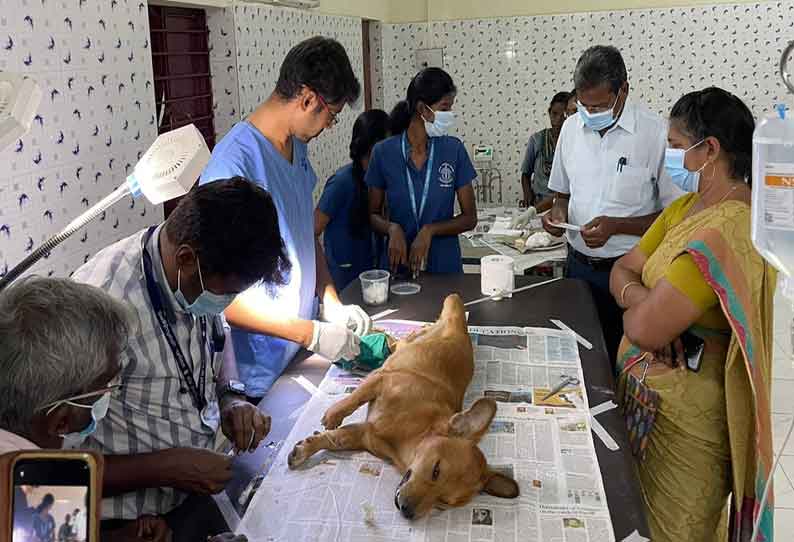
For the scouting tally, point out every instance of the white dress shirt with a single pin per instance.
(620, 174)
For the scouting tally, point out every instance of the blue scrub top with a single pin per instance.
(244, 151)
(452, 170)
(348, 252)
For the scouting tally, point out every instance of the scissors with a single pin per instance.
(565, 381)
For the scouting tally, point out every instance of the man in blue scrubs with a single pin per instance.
(269, 326)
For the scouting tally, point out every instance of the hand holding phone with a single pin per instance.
(50, 494)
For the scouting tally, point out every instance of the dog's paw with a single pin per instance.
(332, 418)
(298, 455)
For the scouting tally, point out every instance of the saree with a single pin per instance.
(712, 435)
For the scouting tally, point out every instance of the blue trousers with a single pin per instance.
(609, 312)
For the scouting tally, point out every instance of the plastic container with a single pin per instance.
(406, 288)
(375, 286)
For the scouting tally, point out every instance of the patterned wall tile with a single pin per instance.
(376, 63)
(508, 69)
(92, 60)
(264, 35)
(223, 66)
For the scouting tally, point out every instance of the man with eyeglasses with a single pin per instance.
(59, 362)
(608, 178)
(269, 147)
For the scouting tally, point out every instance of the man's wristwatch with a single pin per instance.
(234, 387)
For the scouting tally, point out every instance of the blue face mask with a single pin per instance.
(98, 411)
(207, 303)
(686, 180)
(601, 120)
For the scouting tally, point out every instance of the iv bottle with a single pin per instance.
(773, 198)
(773, 192)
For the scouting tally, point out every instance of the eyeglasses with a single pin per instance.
(334, 119)
(113, 385)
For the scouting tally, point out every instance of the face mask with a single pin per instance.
(686, 180)
(98, 411)
(441, 126)
(207, 303)
(601, 120)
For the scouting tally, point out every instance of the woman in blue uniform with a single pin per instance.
(416, 174)
(343, 214)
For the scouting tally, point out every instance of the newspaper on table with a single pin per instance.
(544, 443)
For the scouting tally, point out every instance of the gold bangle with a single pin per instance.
(625, 288)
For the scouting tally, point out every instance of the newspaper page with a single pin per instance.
(544, 443)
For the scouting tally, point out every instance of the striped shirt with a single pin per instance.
(149, 413)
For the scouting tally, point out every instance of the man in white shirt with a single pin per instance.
(608, 177)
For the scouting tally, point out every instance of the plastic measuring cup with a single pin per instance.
(375, 286)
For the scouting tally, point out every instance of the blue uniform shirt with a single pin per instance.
(348, 253)
(244, 151)
(452, 170)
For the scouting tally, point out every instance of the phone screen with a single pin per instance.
(51, 501)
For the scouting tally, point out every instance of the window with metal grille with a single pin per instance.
(181, 63)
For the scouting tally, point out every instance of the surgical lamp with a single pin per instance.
(167, 170)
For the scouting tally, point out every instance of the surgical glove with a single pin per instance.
(523, 219)
(334, 342)
(349, 316)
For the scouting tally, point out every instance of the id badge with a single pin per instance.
(211, 416)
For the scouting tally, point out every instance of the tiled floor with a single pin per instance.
(782, 415)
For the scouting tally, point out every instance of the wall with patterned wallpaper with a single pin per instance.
(508, 69)
(259, 38)
(92, 60)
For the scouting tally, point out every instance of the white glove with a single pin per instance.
(349, 316)
(523, 219)
(334, 342)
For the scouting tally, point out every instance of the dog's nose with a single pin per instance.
(407, 511)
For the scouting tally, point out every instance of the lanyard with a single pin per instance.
(425, 189)
(197, 391)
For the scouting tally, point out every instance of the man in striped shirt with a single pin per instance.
(179, 373)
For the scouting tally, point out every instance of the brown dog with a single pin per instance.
(415, 420)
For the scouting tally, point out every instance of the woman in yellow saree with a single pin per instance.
(699, 419)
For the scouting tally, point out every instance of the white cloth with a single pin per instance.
(149, 413)
(11, 442)
(586, 166)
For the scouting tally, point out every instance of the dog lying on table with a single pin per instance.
(415, 420)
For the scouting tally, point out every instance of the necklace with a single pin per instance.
(694, 209)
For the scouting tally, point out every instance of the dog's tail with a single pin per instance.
(454, 314)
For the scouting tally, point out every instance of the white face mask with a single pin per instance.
(444, 122)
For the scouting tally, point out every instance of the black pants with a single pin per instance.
(609, 312)
(194, 520)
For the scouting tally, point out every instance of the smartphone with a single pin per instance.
(693, 350)
(52, 496)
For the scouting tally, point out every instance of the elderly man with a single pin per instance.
(608, 177)
(61, 340)
(179, 370)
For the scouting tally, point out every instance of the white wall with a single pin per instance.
(508, 69)
(93, 63)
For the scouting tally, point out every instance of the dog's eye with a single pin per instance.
(436, 470)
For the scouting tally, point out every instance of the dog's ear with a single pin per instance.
(500, 485)
(473, 423)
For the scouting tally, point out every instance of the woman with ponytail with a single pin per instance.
(343, 212)
(417, 174)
